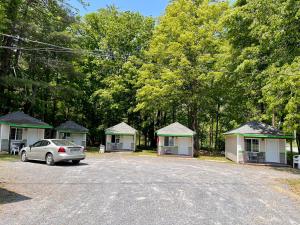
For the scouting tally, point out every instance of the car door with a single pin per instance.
(43, 149)
(33, 152)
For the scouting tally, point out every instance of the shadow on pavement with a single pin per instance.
(70, 164)
(7, 196)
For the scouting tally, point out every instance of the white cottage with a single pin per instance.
(18, 129)
(72, 131)
(256, 142)
(120, 137)
(175, 139)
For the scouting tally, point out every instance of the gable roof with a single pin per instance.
(121, 128)
(176, 130)
(20, 119)
(257, 129)
(71, 126)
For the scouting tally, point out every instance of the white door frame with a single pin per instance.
(268, 151)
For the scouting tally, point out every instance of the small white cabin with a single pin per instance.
(18, 129)
(256, 142)
(175, 139)
(120, 137)
(72, 131)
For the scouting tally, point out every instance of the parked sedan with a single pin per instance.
(52, 151)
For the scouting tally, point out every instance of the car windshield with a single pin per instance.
(63, 143)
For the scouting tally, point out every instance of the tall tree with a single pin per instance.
(183, 60)
(118, 40)
(265, 37)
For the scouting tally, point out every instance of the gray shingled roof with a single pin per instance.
(72, 127)
(23, 120)
(175, 129)
(121, 128)
(255, 127)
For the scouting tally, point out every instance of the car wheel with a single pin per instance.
(49, 159)
(24, 157)
(75, 162)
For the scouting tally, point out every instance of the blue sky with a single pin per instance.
(145, 7)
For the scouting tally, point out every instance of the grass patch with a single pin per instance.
(287, 169)
(294, 185)
(146, 153)
(93, 152)
(213, 158)
(8, 157)
(92, 149)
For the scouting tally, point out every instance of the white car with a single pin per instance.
(52, 151)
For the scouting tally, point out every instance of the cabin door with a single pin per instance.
(272, 150)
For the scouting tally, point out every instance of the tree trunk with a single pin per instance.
(273, 118)
(298, 139)
(211, 133)
(139, 139)
(152, 135)
(194, 126)
(217, 128)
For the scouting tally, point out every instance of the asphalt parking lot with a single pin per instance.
(123, 189)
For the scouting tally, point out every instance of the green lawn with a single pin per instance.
(7, 157)
(93, 152)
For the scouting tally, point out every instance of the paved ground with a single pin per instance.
(120, 189)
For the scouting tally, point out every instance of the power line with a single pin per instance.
(73, 51)
(33, 41)
(44, 43)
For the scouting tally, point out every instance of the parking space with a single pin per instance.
(124, 189)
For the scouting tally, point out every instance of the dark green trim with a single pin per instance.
(264, 136)
(26, 125)
(72, 131)
(114, 133)
(175, 135)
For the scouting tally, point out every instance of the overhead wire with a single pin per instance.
(54, 48)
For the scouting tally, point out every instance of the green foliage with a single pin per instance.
(204, 63)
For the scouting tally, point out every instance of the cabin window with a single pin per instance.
(252, 145)
(169, 141)
(15, 134)
(66, 135)
(115, 139)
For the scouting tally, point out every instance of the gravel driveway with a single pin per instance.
(124, 189)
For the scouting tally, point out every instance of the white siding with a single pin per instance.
(231, 147)
(5, 131)
(240, 148)
(282, 145)
(185, 145)
(77, 138)
(4, 137)
(262, 145)
(127, 142)
(182, 146)
(32, 136)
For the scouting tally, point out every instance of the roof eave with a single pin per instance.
(27, 125)
(175, 135)
(271, 136)
(72, 131)
(119, 133)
